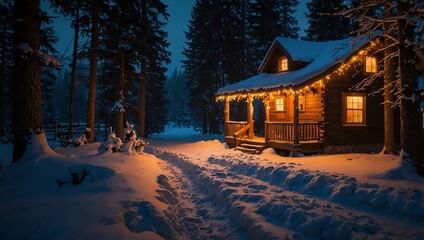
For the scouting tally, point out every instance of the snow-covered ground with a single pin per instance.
(189, 186)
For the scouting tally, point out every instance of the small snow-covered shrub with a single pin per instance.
(131, 143)
(112, 144)
(80, 141)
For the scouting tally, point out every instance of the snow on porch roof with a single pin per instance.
(322, 56)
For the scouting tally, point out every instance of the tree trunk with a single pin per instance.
(119, 115)
(27, 82)
(142, 102)
(409, 105)
(389, 75)
(91, 114)
(74, 69)
(204, 120)
(2, 79)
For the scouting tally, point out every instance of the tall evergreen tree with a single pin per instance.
(216, 55)
(324, 21)
(202, 60)
(131, 38)
(268, 20)
(152, 56)
(115, 41)
(177, 99)
(48, 75)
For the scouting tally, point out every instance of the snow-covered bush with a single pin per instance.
(112, 144)
(131, 142)
(80, 141)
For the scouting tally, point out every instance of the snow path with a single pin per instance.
(199, 217)
(274, 202)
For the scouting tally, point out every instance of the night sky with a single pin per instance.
(179, 11)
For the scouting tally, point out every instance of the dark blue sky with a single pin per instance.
(179, 11)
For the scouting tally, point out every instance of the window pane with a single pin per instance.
(279, 104)
(370, 64)
(283, 64)
(354, 116)
(354, 102)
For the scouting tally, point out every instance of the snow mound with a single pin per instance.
(144, 216)
(403, 171)
(38, 149)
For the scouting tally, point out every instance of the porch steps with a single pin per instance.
(247, 150)
(251, 147)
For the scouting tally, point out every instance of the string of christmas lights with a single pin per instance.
(312, 87)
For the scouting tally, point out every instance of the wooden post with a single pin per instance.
(267, 110)
(227, 115)
(296, 123)
(250, 116)
(266, 121)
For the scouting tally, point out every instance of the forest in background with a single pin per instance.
(120, 51)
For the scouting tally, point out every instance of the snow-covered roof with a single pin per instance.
(321, 55)
(300, 50)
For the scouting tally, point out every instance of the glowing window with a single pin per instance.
(283, 64)
(354, 109)
(370, 64)
(279, 104)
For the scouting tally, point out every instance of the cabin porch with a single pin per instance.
(278, 135)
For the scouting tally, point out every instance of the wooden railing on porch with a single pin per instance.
(284, 131)
(242, 133)
(232, 127)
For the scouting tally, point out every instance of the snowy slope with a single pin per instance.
(124, 196)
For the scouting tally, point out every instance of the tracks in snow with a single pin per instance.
(200, 217)
(266, 210)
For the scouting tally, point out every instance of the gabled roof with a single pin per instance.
(296, 49)
(321, 55)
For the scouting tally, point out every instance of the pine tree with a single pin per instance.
(177, 99)
(216, 55)
(48, 75)
(324, 21)
(132, 37)
(115, 43)
(268, 20)
(152, 56)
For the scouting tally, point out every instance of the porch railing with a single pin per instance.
(232, 127)
(242, 133)
(284, 131)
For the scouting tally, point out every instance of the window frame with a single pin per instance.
(280, 69)
(284, 104)
(365, 64)
(345, 109)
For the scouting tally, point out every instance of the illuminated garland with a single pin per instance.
(312, 87)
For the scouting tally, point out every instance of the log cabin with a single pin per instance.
(318, 97)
